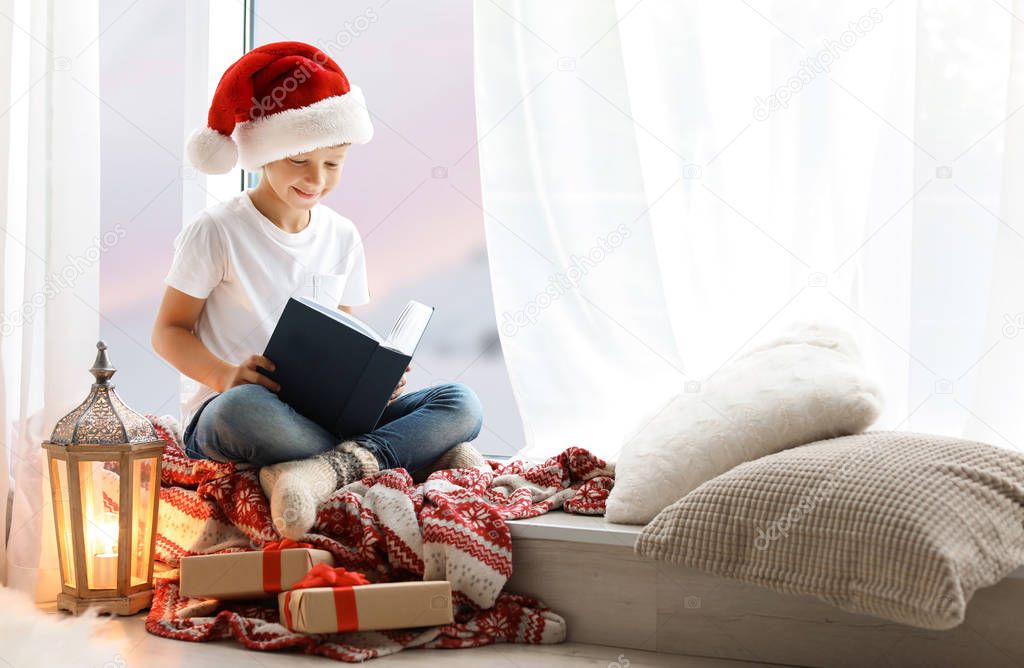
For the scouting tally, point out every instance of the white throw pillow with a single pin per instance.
(805, 385)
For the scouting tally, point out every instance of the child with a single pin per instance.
(292, 113)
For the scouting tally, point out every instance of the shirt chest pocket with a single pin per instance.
(325, 289)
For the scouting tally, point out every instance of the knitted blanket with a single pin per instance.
(452, 526)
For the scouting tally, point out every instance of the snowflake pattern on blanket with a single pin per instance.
(452, 526)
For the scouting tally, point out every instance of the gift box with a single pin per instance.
(332, 600)
(256, 574)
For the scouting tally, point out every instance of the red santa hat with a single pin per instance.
(278, 100)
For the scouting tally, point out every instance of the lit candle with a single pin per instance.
(104, 571)
(104, 559)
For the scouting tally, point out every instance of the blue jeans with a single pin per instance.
(249, 423)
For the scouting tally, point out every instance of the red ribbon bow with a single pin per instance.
(285, 544)
(323, 575)
(341, 581)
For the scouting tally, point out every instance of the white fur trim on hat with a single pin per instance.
(342, 119)
(211, 152)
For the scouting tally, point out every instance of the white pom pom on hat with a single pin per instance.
(280, 99)
(211, 152)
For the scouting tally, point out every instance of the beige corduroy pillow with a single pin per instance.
(898, 525)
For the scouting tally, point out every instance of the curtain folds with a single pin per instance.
(839, 161)
(49, 193)
(571, 249)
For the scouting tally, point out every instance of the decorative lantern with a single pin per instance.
(104, 461)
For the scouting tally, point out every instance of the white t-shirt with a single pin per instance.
(246, 268)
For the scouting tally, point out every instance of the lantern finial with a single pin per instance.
(102, 369)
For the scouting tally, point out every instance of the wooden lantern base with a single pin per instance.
(115, 605)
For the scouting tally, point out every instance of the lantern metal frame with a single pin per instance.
(102, 429)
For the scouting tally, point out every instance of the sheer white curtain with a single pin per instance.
(49, 281)
(837, 160)
(578, 294)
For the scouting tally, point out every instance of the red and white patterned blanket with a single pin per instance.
(450, 527)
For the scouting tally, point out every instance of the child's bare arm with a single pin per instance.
(173, 338)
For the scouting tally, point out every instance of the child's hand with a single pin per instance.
(246, 373)
(401, 384)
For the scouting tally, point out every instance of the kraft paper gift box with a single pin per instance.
(256, 574)
(363, 607)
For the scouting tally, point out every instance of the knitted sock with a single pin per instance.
(460, 456)
(297, 488)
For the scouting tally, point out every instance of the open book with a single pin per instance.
(337, 370)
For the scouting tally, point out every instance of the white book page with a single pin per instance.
(409, 328)
(349, 319)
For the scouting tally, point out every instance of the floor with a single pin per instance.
(136, 647)
(139, 648)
